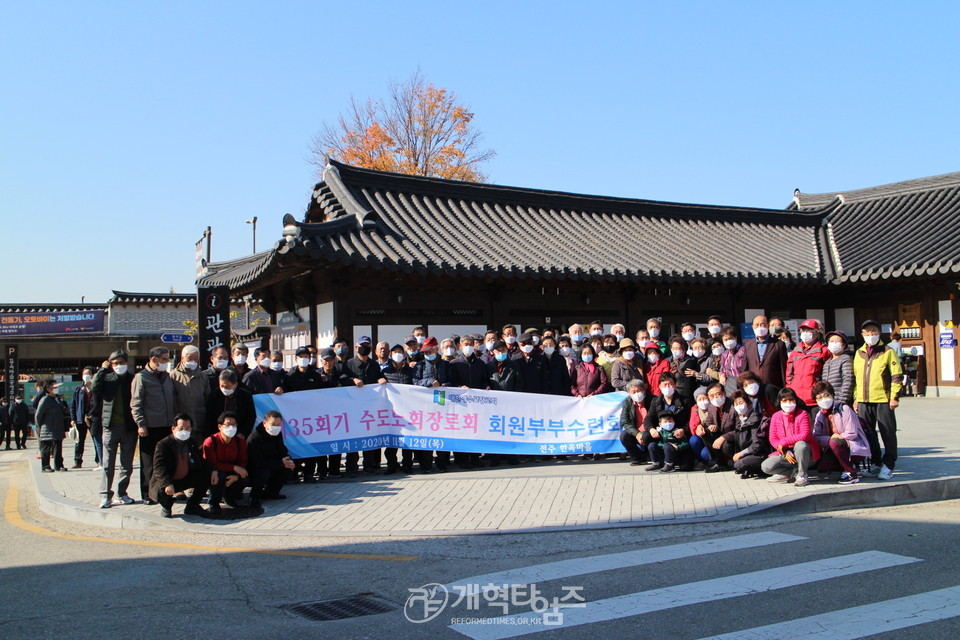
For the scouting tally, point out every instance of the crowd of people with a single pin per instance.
(763, 407)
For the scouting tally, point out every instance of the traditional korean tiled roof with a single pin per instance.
(896, 230)
(126, 297)
(49, 308)
(373, 220)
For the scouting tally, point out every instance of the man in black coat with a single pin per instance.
(111, 392)
(468, 371)
(305, 377)
(230, 396)
(360, 370)
(177, 466)
(20, 421)
(268, 460)
(533, 368)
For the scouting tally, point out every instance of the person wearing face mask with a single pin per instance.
(153, 406)
(619, 332)
(535, 338)
(838, 369)
(419, 334)
(667, 401)
(532, 366)
(504, 374)
(714, 327)
(270, 462)
(878, 377)
(432, 371)
(468, 371)
(633, 412)
(398, 369)
(643, 337)
(226, 456)
(762, 396)
(111, 389)
(411, 349)
(712, 413)
(6, 428)
(80, 418)
(485, 349)
(20, 421)
(233, 398)
(508, 335)
(51, 425)
(607, 354)
(712, 368)
(791, 438)
(732, 360)
(569, 352)
(654, 366)
(588, 378)
(683, 367)
(596, 329)
(688, 331)
(341, 349)
(838, 431)
(362, 369)
(627, 367)
(701, 355)
(765, 355)
(670, 447)
(653, 330)
(219, 361)
(268, 376)
(305, 377)
(575, 331)
(805, 363)
(239, 355)
(191, 387)
(746, 443)
(558, 371)
(177, 466)
(699, 416)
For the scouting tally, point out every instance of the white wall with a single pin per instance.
(948, 371)
(325, 333)
(845, 322)
(441, 331)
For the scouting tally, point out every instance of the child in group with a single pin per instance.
(669, 447)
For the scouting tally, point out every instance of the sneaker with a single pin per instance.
(124, 500)
(105, 503)
(654, 467)
(166, 513)
(778, 478)
(847, 478)
(636, 463)
(98, 468)
(668, 468)
(46, 470)
(872, 472)
(714, 468)
(801, 481)
(885, 473)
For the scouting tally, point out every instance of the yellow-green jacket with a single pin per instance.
(878, 378)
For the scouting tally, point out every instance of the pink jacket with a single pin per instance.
(787, 429)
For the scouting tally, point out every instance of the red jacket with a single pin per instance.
(652, 373)
(223, 456)
(804, 367)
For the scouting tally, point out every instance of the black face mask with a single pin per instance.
(363, 350)
(609, 348)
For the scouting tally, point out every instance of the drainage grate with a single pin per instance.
(364, 604)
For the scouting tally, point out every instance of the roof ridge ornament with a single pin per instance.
(366, 217)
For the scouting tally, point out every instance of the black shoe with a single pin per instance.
(714, 468)
(636, 463)
(441, 469)
(310, 480)
(255, 504)
(668, 468)
(8, 448)
(335, 474)
(195, 510)
(389, 471)
(62, 469)
(166, 513)
(494, 463)
(215, 510)
(293, 480)
(232, 503)
(149, 501)
(78, 465)
(406, 468)
(47, 470)
(513, 461)
(275, 496)
(656, 466)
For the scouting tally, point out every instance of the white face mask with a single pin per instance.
(190, 364)
(273, 429)
(836, 348)
(527, 348)
(629, 355)
(229, 431)
(162, 366)
(699, 353)
(871, 340)
(717, 402)
(653, 358)
(240, 360)
(565, 351)
(761, 332)
(714, 329)
(466, 349)
(668, 391)
(88, 378)
(510, 339)
(420, 339)
(752, 389)
(717, 352)
(806, 337)
(182, 436)
(548, 351)
(677, 354)
(276, 366)
(596, 332)
(729, 344)
(264, 363)
(654, 333)
(618, 336)
(788, 407)
(703, 404)
(303, 363)
(637, 397)
(397, 357)
(740, 409)
(449, 352)
(488, 345)
(227, 392)
(536, 340)
(120, 369)
(825, 403)
(688, 336)
(221, 364)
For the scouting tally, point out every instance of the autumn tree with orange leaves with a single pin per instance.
(419, 129)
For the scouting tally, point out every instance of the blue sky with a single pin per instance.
(127, 128)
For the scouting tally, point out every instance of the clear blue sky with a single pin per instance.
(126, 128)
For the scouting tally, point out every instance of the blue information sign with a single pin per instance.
(947, 340)
(179, 338)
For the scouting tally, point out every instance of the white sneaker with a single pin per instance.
(123, 500)
(778, 478)
(801, 481)
(885, 473)
(105, 503)
(98, 468)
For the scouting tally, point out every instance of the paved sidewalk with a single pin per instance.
(551, 495)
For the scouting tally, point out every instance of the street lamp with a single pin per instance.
(253, 221)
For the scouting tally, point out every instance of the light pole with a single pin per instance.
(253, 221)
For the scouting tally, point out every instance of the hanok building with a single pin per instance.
(378, 253)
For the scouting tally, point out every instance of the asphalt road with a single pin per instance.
(832, 574)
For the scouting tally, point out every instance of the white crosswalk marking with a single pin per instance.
(690, 593)
(857, 622)
(593, 564)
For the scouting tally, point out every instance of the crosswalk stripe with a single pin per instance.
(593, 564)
(687, 594)
(857, 622)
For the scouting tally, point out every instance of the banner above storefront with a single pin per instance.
(47, 324)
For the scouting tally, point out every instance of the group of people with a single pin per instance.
(763, 407)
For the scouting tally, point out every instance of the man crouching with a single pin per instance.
(177, 466)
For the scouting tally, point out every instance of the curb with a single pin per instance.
(834, 499)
